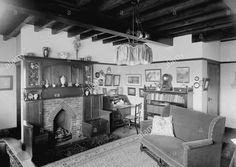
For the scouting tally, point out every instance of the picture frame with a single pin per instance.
(6, 82)
(141, 92)
(131, 91)
(153, 75)
(206, 83)
(104, 91)
(182, 74)
(116, 80)
(108, 79)
(134, 79)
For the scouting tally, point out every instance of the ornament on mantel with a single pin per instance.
(77, 45)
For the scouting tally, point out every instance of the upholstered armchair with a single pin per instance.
(197, 141)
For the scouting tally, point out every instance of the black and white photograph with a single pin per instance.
(117, 83)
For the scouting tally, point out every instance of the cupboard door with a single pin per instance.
(33, 112)
(96, 105)
(87, 108)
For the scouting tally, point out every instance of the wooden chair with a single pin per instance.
(135, 119)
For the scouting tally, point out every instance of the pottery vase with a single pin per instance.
(46, 51)
(63, 81)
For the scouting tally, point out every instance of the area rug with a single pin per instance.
(120, 153)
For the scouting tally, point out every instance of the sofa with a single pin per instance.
(197, 140)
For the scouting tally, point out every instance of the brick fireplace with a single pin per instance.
(73, 107)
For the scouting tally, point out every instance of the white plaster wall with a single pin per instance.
(211, 50)
(8, 97)
(195, 70)
(227, 51)
(33, 42)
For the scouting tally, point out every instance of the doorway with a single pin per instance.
(213, 93)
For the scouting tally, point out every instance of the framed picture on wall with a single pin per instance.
(108, 79)
(131, 91)
(153, 75)
(141, 92)
(134, 79)
(182, 74)
(116, 80)
(6, 82)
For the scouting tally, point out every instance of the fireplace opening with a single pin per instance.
(62, 126)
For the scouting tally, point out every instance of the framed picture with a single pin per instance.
(6, 82)
(182, 74)
(104, 91)
(153, 75)
(116, 80)
(134, 79)
(206, 83)
(131, 91)
(108, 79)
(141, 92)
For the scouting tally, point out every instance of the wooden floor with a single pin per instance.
(121, 132)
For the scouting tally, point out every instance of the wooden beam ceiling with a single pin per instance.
(85, 18)
(187, 14)
(88, 34)
(59, 27)
(172, 9)
(194, 20)
(113, 39)
(16, 29)
(76, 31)
(40, 25)
(101, 36)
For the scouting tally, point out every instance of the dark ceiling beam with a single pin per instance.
(113, 39)
(111, 4)
(217, 27)
(76, 31)
(120, 42)
(143, 6)
(172, 9)
(218, 35)
(101, 36)
(202, 25)
(38, 26)
(192, 12)
(16, 30)
(88, 34)
(231, 4)
(80, 3)
(59, 27)
(194, 20)
(86, 18)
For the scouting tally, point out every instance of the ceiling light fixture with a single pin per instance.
(134, 52)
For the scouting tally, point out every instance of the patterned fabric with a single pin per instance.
(162, 126)
(121, 153)
(133, 55)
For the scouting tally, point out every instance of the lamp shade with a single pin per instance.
(128, 54)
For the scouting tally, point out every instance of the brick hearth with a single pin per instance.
(74, 107)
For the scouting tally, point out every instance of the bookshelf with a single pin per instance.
(156, 102)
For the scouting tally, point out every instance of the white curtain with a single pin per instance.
(133, 55)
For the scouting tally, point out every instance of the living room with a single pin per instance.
(194, 57)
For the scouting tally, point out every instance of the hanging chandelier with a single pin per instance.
(133, 52)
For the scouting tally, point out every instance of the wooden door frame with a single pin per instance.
(218, 64)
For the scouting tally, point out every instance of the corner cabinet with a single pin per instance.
(157, 102)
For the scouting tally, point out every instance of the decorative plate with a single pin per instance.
(196, 78)
(196, 85)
